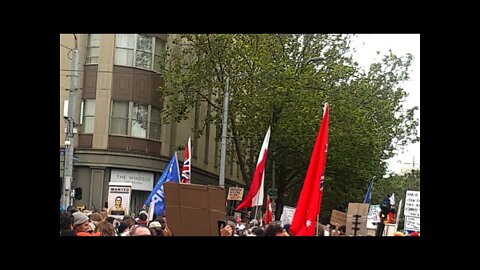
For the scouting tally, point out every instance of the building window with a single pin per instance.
(141, 51)
(88, 115)
(124, 49)
(135, 120)
(92, 48)
(143, 57)
(154, 132)
(119, 120)
(139, 121)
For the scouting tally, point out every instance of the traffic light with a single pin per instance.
(78, 193)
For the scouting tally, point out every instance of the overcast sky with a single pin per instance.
(366, 46)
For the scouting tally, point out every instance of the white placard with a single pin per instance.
(140, 180)
(373, 216)
(412, 223)
(287, 215)
(119, 199)
(412, 204)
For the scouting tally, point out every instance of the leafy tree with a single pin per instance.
(273, 83)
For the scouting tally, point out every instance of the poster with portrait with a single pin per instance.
(119, 199)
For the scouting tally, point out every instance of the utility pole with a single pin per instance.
(224, 136)
(72, 100)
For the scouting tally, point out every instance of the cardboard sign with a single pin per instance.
(338, 217)
(194, 210)
(235, 194)
(360, 209)
(360, 227)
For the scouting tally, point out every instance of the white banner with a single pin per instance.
(412, 204)
(140, 180)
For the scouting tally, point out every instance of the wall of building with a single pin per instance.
(99, 152)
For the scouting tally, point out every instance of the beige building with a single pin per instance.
(118, 111)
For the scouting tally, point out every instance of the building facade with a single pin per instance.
(120, 135)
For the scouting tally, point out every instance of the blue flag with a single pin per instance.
(170, 174)
(368, 195)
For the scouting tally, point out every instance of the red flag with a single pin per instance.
(255, 194)
(186, 164)
(268, 211)
(308, 206)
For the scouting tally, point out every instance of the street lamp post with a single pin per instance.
(224, 136)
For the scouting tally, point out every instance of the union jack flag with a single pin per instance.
(186, 164)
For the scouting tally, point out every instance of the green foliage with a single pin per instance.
(272, 83)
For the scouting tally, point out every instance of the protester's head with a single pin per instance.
(139, 230)
(275, 230)
(342, 229)
(122, 227)
(258, 231)
(66, 221)
(105, 229)
(130, 221)
(163, 222)
(96, 217)
(143, 215)
(104, 215)
(142, 218)
(80, 222)
(155, 224)
(110, 220)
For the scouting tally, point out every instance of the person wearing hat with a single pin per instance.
(80, 224)
(142, 218)
(155, 225)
